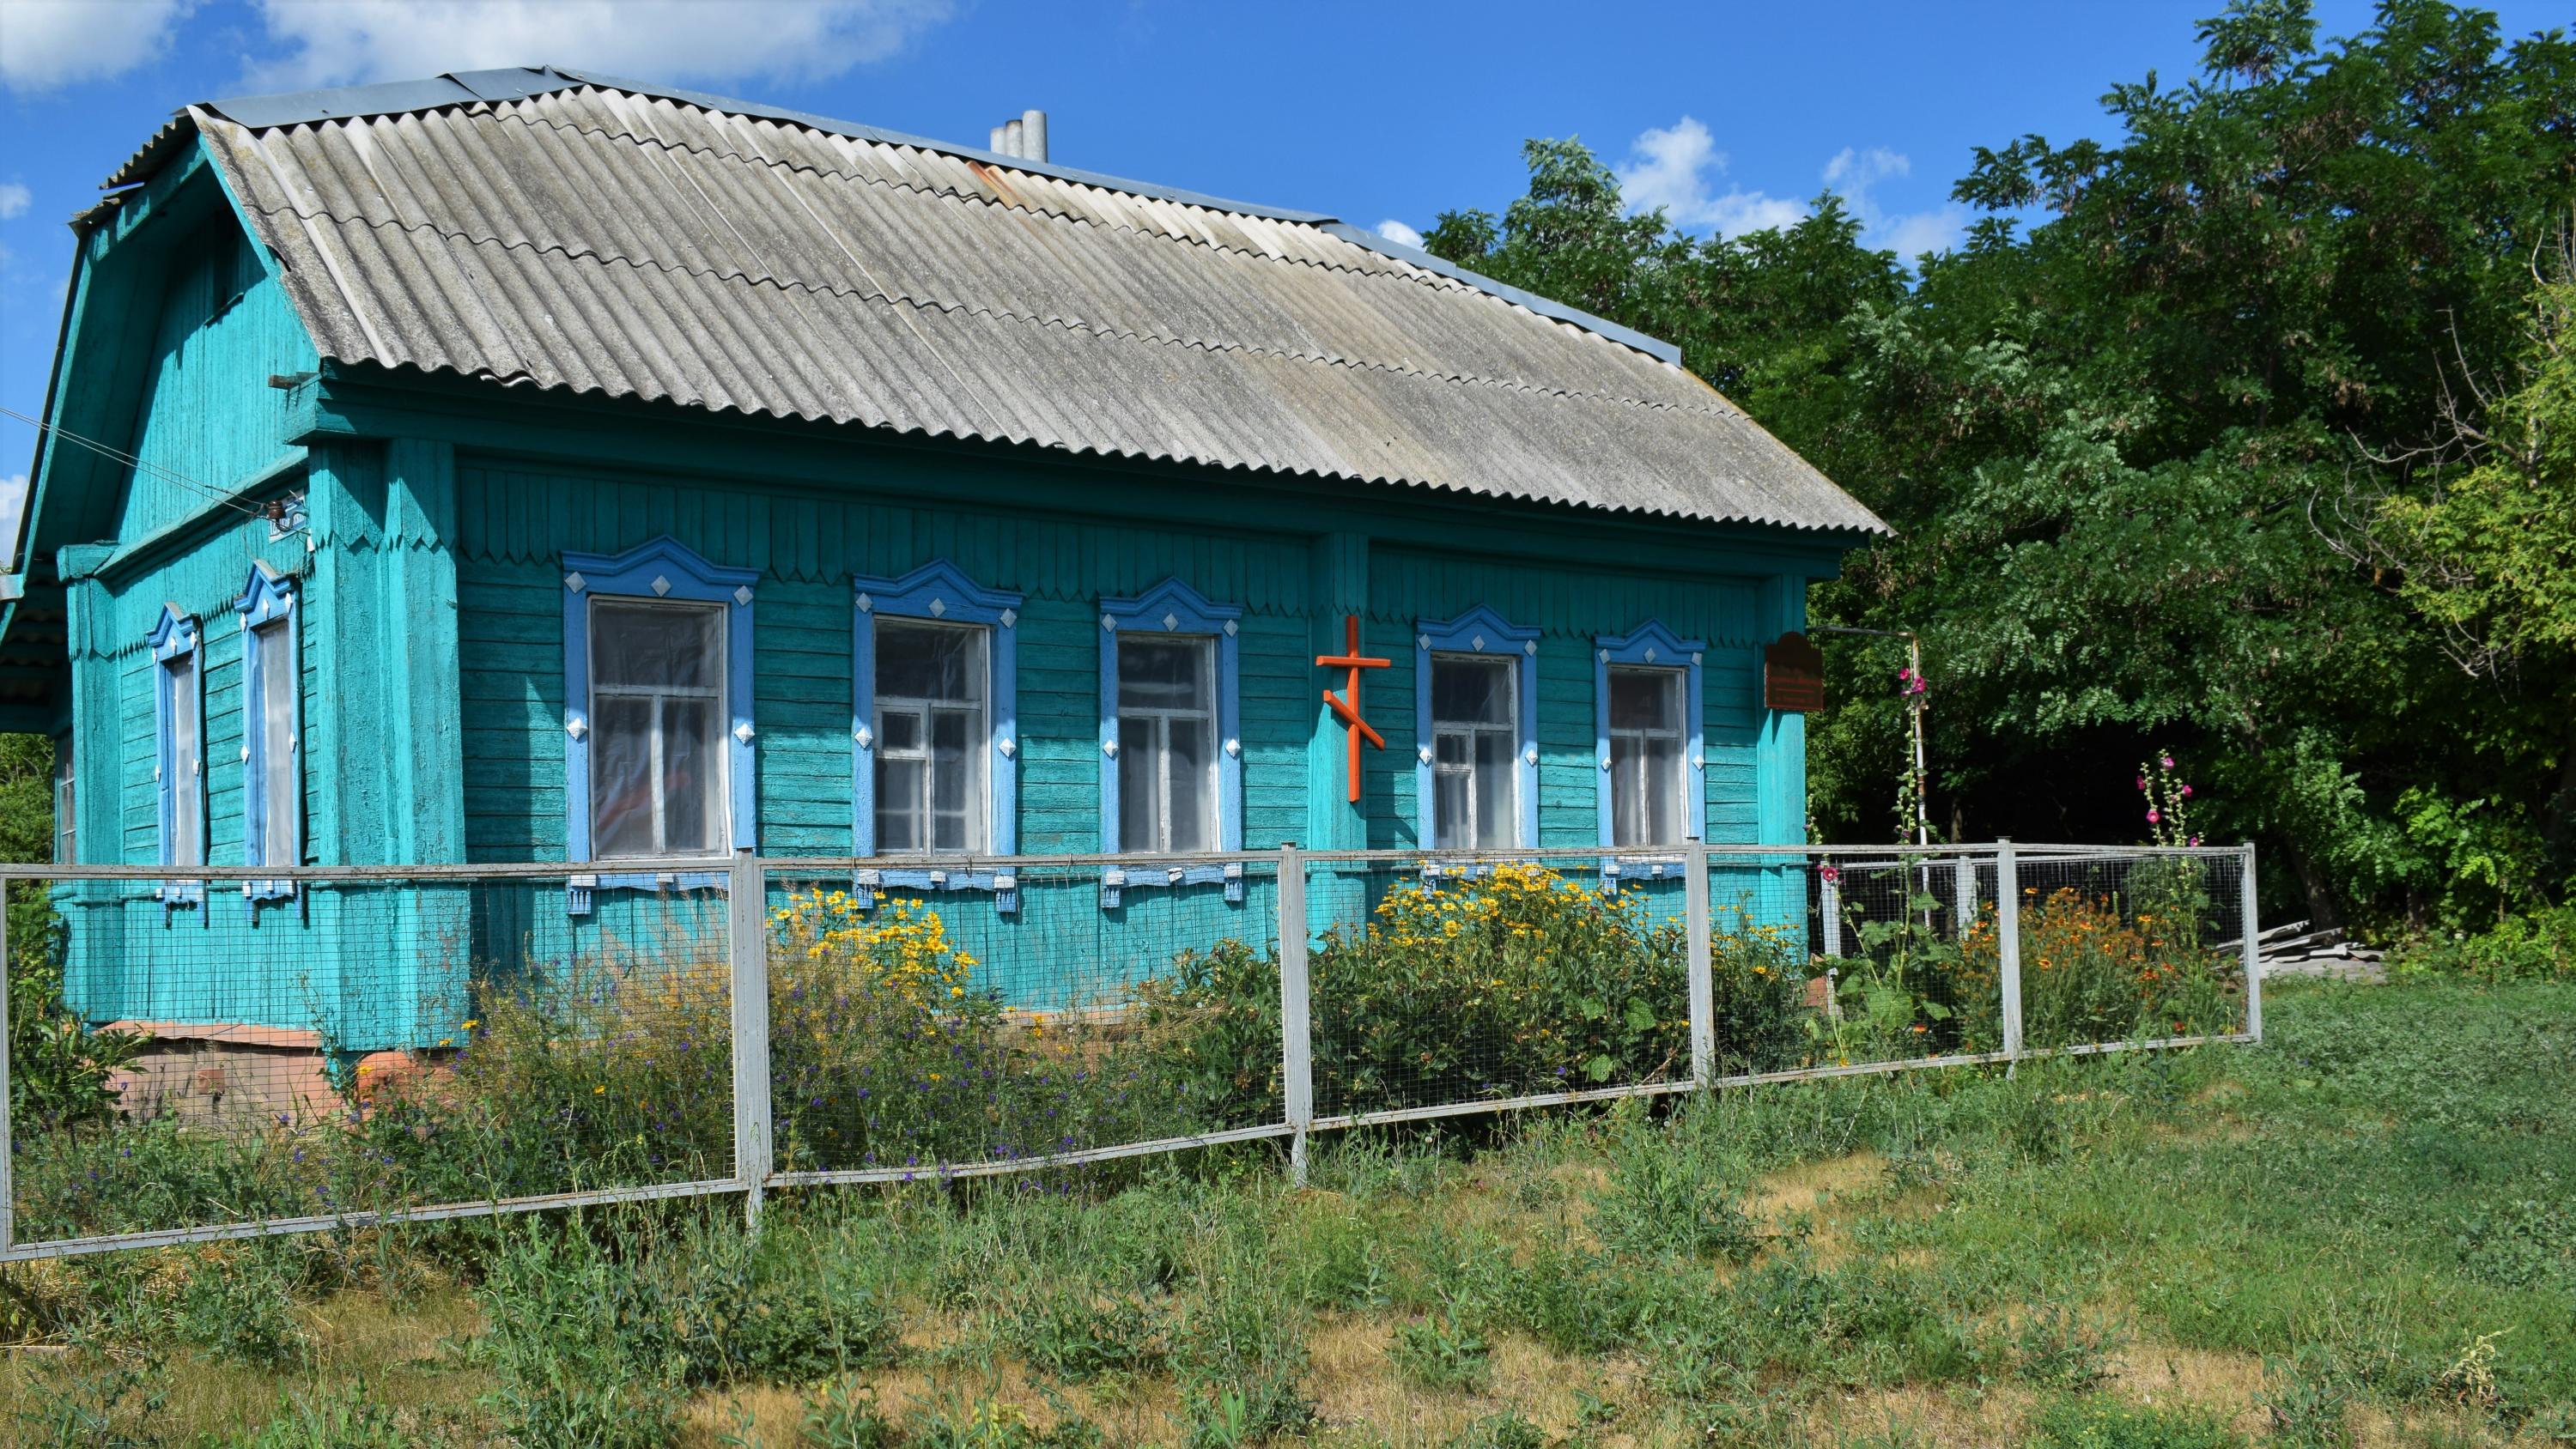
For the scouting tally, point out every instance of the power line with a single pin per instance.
(167, 474)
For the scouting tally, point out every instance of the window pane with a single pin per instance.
(693, 762)
(1140, 773)
(1451, 749)
(1662, 785)
(1627, 802)
(66, 806)
(1645, 699)
(621, 777)
(187, 785)
(281, 789)
(898, 732)
(1163, 674)
(955, 754)
(657, 646)
(1193, 783)
(930, 661)
(1449, 809)
(1496, 824)
(1470, 691)
(899, 805)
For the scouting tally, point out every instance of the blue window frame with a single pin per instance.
(1171, 613)
(1478, 642)
(179, 741)
(272, 730)
(664, 719)
(1647, 666)
(895, 739)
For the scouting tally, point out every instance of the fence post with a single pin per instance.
(747, 946)
(2248, 926)
(2008, 943)
(1703, 988)
(1296, 1042)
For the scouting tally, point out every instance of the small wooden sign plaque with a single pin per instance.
(1793, 675)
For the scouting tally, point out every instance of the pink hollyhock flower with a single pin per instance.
(2186, 792)
(2167, 761)
(2195, 840)
(2153, 817)
(2142, 782)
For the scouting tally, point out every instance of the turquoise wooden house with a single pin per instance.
(523, 466)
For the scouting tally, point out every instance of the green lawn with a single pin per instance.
(2359, 1233)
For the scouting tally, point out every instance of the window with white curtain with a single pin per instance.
(182, 762)
(1167, 745)
(1647, 733)
(281, 791)
(933, 737)
(1475, 743)
(66, 806)
(657, 733)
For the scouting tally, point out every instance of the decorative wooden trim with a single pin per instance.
(940, 591)
(1482, 632)
(175, 635)
(662, 568)
(1651, 645)
(1173, 607)
(268, 598)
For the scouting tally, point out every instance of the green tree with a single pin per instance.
(2119, 432)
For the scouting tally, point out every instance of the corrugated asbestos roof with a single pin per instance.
(540, 229)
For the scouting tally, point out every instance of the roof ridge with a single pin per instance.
(503, 85)
(608, 256)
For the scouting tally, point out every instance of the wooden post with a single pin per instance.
(2248, 927)
(1703, 988)
(2008, 943)
(1295, 1039)
(747, 943)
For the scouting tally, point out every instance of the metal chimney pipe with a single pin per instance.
(996, 147)
(1033, 135)
(1014, 140)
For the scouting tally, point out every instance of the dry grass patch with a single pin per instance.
(1355, 1384)
(1955, 1417)
(2152, 1374)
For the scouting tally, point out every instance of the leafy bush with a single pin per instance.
(886, 1052)
(2540, 946)
(1443, 1351)
(1514, 982)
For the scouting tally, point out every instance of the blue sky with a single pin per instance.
(1732, 114)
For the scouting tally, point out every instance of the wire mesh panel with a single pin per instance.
(1448, 983)
(2131, 946)
(233, 1051)
(984, 1020)
(1907, 955)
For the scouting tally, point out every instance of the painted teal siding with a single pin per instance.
(206, 411)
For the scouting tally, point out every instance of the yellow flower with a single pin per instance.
(599, 1091)
(471, 1023)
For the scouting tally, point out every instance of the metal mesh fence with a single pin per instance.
(199, 1054)
(2131, 946)
(1452, 984)
(1905, 956)
(992, 1019)
(207, 1058)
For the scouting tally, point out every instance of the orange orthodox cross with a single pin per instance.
(1348, 711)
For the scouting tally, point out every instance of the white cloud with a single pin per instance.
(1678, 168)
(336, 41)
(1673, 169)
(45, 44)
(1908, 234)
(1398, 232)
(14, 200)
(13, 499)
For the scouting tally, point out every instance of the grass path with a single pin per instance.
(2362, 1233)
